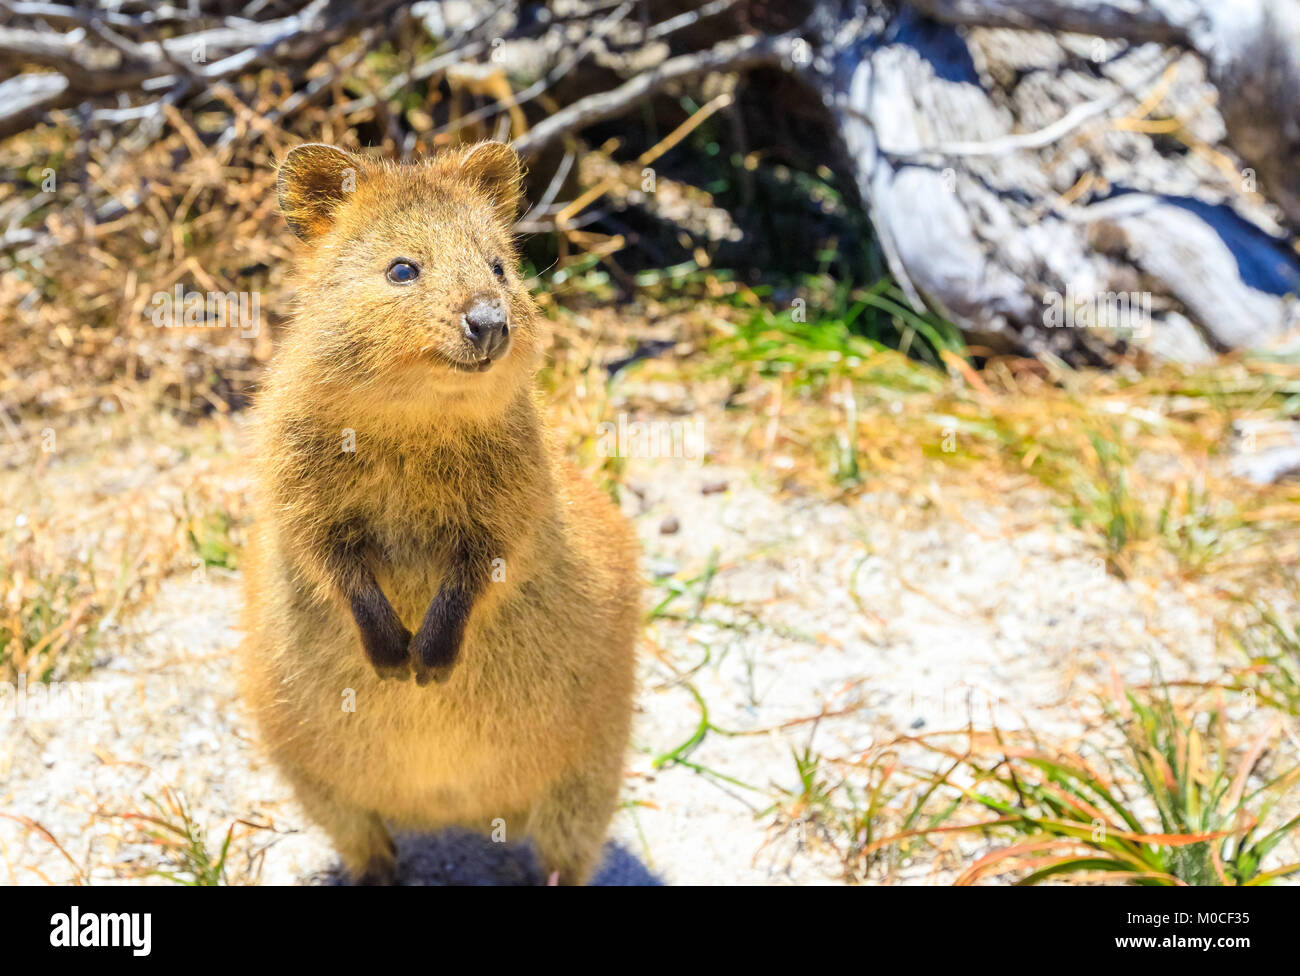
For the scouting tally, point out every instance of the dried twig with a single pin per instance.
(740, 54)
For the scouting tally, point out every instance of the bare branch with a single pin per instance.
(27, 99)
(740, 54)
(1166, 21)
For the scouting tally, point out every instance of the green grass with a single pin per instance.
(1270, 641)
(1160, 794)
(58, 611)
(1188, 814)
(183, 842)
(679, 755)
(1195, 527)
(875, 819)
(1105, 500)
(212, 538)
(835, 321)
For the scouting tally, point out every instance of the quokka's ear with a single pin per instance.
(314, 179)
(496, 168)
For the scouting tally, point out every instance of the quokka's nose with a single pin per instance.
(485, 325)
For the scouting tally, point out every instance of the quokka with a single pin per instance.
(422, 549)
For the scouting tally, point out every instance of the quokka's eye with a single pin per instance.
(402, 272)
(498, 268)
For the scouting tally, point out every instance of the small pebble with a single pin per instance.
(669, 526)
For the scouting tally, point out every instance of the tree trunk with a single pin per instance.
(1025, 182)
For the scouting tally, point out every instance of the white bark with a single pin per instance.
(967, 184)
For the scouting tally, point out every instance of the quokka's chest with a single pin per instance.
(416, 501)
(428, 536)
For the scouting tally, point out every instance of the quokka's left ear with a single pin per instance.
(314, 180)
(497, 169)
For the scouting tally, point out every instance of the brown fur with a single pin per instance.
(454, 483)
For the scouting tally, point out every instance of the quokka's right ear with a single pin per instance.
(314, 179)
(497, 169)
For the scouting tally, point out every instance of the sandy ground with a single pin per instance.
(799, 624)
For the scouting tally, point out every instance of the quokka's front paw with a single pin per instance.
(436, 644)
(433, 654)
(387, 645)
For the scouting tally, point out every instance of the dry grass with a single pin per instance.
(97, 523)
(1140, 458)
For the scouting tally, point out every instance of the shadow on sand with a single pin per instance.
(459, 857)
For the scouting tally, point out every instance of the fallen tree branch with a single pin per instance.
(27, 99)
(118, 65)
(1249, 49)
(540, 86)
(1015, 142)
(740, 54)
(1148, 20)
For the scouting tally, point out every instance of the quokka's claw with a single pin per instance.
(394, 672)
(436, 674)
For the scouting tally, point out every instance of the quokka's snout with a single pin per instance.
(486, 325)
